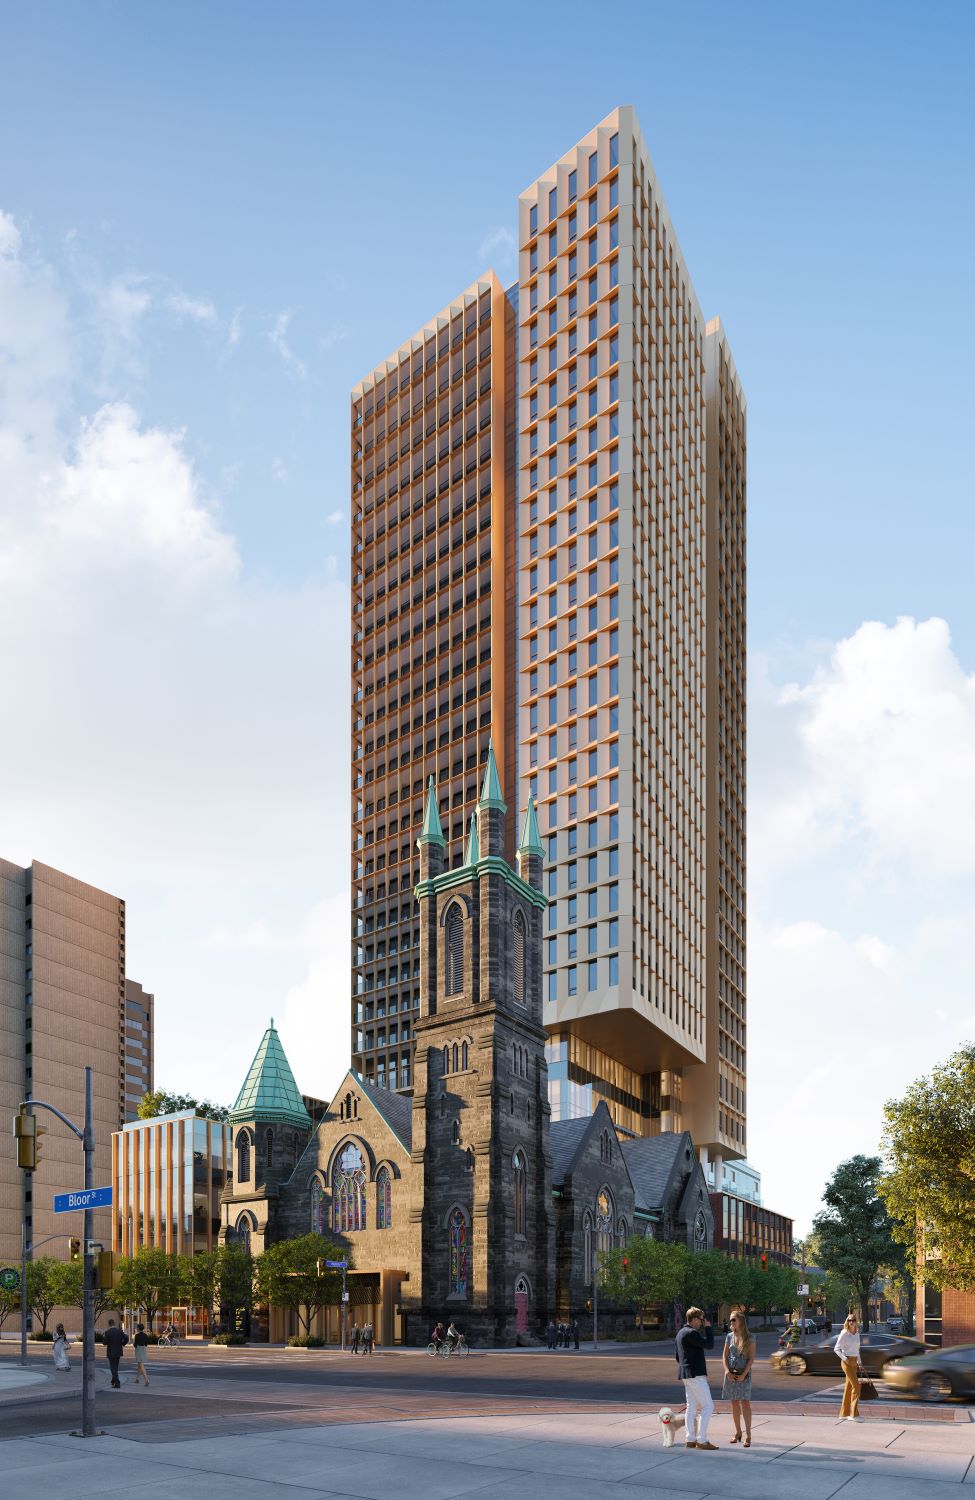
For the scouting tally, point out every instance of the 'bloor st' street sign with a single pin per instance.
(70, 1203)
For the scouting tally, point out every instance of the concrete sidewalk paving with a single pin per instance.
(504, 1457)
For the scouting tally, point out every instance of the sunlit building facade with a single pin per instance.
(167, 1177)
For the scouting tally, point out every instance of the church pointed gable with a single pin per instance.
(570, 1140)
(270, 1092)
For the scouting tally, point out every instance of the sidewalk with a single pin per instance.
(565, 1457)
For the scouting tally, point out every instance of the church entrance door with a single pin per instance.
(521, 1305)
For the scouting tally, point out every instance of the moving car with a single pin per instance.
(936, 1374)
(879, 1351)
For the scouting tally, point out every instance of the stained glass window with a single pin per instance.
(349, 1192)
(520, 1193)
(318, 1224)
(384, 1204)
(458, 1235)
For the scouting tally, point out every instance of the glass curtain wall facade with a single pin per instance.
(167, 1175)
(432, 634)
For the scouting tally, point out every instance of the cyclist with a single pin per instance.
(438, 1335)
(170, 1333)
(453, 1336)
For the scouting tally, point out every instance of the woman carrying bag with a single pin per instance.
(738, 1358)
(847, 1351)
(60, 1349)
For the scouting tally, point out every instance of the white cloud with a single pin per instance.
(182, 721)
(334, 517)
(862, 895)
(280, 472)
(278, 340)
(499, 245)
(235, 327)
(194, 309)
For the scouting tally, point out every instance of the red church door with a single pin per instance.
(521, 1305)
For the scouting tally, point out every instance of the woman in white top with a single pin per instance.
(847, 1350)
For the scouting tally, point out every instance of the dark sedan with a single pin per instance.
(877, 1351)
(936, 1374)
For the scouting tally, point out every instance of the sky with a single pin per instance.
(215, 219)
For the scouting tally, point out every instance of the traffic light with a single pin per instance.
(105, 1271)
(626, 1265)
(74, 1246)
(28, 1135)
(763, 1261)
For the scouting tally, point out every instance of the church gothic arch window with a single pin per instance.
(519, 959)
(454, 945)
(349, 1192)
(317, 1206)
(458, 1245)
(243, 1157)
(269, 1147)
(243, 1231)
(384, 1199)
(519, 1177)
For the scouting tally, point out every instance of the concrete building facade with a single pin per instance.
(63, 1005)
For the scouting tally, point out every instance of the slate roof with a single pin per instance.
(270, 1091)
(651, 1160)
(565, 1138)
(396, 1109)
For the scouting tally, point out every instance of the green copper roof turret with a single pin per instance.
(270, 1091)
(531, 842)
(491, 795)
(431, 832)
(473, 853)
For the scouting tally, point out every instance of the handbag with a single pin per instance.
(868, 1391)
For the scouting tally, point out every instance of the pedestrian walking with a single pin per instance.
(368, 1334)
(847, 1350)
(574, 1328)
(738, 1358)
(550, 1333)
(140, 1344)
(694, 1339)
(115, 1341)
(354, 1348)
(60, 1349)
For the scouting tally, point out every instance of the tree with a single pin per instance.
(291, 1274)
(71, 1288)
(9, 1302)
(856, 1236)
(929, 1183)
(151, 1279)
(44, 1285)
(235, 1281)
(159, 1102)
(654, 1273)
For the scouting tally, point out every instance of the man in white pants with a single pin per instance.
(692, 1342)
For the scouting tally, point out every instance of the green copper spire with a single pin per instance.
(473, 853)
(270, 1091)
(431, 832)
(491, 795)
(530, 841)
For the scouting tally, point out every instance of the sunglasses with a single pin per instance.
(734, 1320)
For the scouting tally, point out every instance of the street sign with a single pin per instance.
(70, 1203)
(345, 1296)
(803, 1289)
(10, 1279)
(336, 1265)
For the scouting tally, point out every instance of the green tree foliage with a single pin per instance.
(159, 1102)
(291, 1274)
(45, 1283)
(929, 1183)
(855, 1232)
(151, 1279)
(9, 1301)
(652, 1271)
(235, 1281)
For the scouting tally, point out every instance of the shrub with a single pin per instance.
(302, 1341)
(40, 1338)
(228, 1338)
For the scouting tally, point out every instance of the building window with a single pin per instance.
(458, 1241)
(244, 1232)
(349, 1192)
(384, 1204)
(269, 1147)
(520, 1183)
(243, 1157)
(519, 959)
(318, 1224)
(454, 940)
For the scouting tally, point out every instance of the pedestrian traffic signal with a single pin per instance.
(28, 1135)
(763, 1261)
(74, 1246)
(105, 1271)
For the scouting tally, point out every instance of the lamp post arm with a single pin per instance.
(40, 1104)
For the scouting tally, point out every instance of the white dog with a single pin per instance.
(671, 1423)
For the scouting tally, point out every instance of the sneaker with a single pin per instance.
(710, 1447)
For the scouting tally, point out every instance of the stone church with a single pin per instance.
(465, 1201)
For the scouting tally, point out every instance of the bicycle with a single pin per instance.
(447, 1349)
(168, 1341)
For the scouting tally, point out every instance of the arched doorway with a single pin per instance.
(522, 1296)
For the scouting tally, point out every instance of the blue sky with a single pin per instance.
(226, 214)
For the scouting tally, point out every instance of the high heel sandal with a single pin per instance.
(736, 1438)
(748, 1439)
